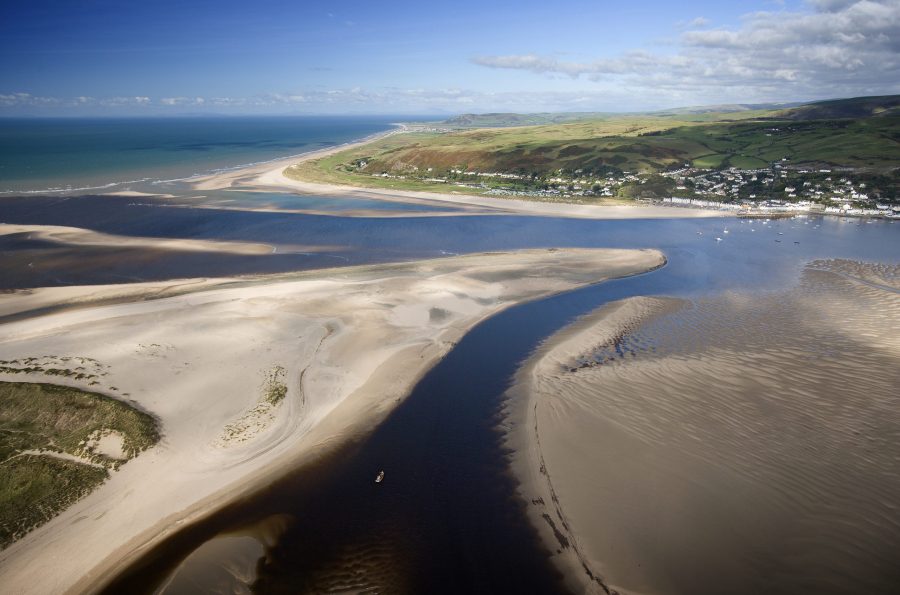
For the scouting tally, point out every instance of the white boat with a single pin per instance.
(380, 477)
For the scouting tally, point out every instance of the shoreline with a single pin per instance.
(109, 187)
(228, 177)
(271, 176)
(355, 362)
(523, 435)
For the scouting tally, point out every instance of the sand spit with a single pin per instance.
(271, 176)
(275, 178)
(346, 344)
(736, 444)
(240, 176)
(76, 236)
(137, 194)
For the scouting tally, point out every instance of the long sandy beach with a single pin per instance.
(271, 176)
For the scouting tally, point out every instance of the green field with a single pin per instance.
(34, 488)
(643, 144)
(57, 419)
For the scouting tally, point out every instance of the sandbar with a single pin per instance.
(349, 344)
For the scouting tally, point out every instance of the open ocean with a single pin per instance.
(40, 155)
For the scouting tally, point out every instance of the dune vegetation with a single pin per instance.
(51, 449)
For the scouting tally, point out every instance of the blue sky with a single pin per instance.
(269, 56)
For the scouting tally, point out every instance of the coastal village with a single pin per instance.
(781, 188)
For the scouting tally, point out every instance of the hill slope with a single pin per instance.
(857, 107)
(645, 144)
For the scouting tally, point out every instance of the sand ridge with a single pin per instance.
(351, 342)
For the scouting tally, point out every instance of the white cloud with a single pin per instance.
(695, 23)
(182, 101)
(835, 48)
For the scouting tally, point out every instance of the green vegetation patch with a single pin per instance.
(34, 488)
(274, 388)
(709, 161)
(37, 416)
(63, 420)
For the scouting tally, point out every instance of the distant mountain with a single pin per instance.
(858, 107)
(499, 120)
(837, 109)
(503, 119)
(725, 108)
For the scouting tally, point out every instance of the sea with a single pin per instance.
(41, 155)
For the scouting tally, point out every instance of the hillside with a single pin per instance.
(510, 119)
(639, 144)
(703, 112)
(858, 107)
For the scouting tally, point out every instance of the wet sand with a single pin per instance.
(738, 443)
(75, 236)
(351, 343)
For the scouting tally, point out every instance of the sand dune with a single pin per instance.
(348, 345)
(739, 443)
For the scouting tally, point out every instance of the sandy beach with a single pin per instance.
(349, 343)
(737, 443)
(271, 176)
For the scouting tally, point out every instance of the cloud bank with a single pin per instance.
(351, 100)
(835, 48)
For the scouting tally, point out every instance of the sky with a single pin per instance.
(124, 57)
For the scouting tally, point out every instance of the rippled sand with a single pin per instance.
(742, 443)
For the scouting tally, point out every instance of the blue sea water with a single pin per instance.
(40, 155)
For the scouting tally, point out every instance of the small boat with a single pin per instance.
(380, 477)
(718, 239)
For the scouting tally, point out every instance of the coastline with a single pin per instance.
(234, 176)
(271, 175)
(349, 361)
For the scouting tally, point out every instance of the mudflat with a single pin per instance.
(736, 443)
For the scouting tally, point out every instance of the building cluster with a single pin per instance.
(778, 188)
(781, 189)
